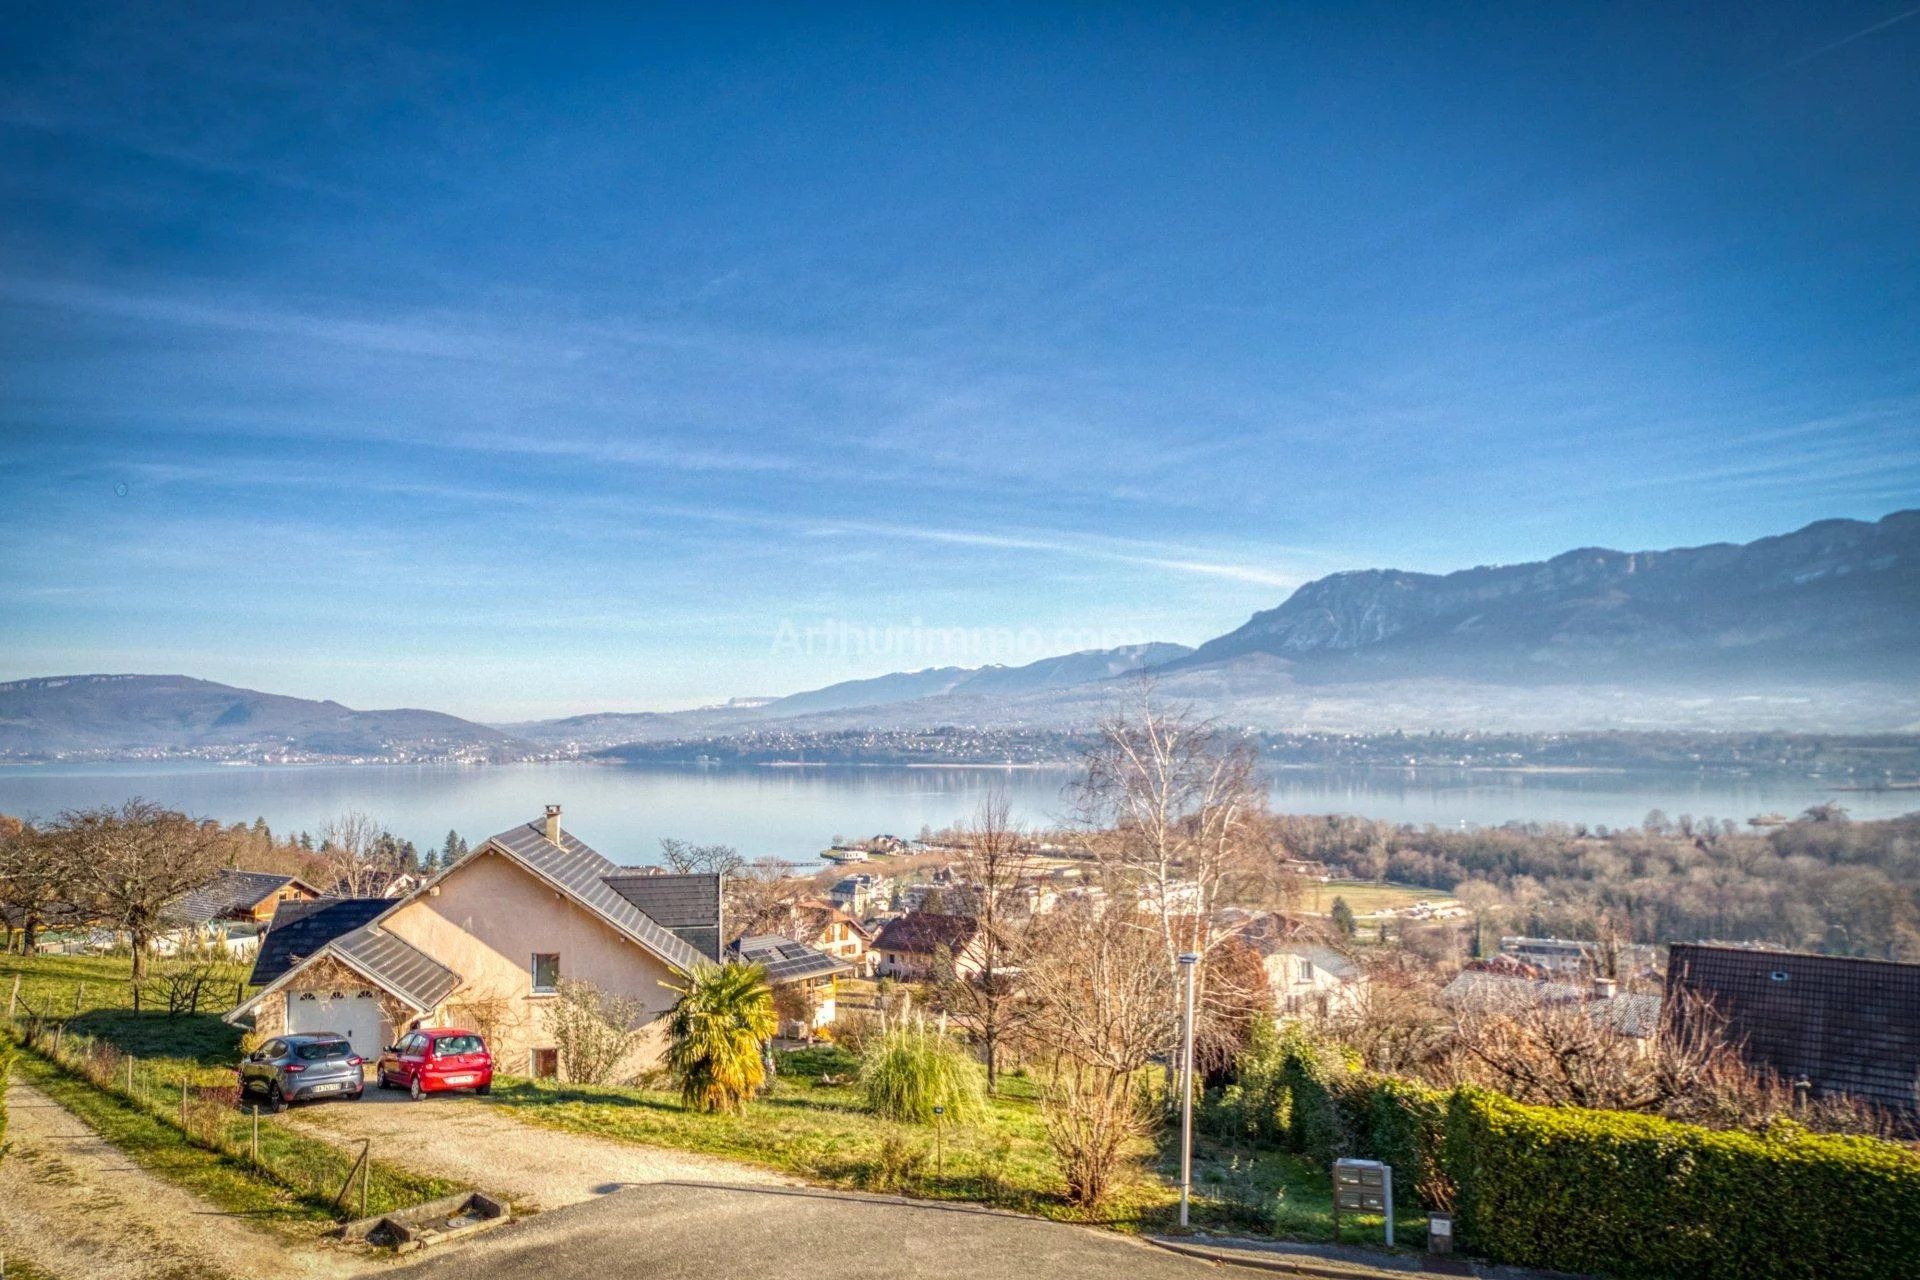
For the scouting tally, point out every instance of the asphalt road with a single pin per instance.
(672, 1230)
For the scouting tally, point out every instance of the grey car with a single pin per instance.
(301, 1068)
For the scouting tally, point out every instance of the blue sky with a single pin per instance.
(515, 363)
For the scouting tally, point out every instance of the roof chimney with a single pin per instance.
(1604, 988)
(553, 823)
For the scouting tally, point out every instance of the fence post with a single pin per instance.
(59, 1030)
(13, 999)
(183, 1104)
(366, 1172)
(256, 1135)
(79, 997)
(129, 1077)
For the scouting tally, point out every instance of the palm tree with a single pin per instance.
(722, 1018)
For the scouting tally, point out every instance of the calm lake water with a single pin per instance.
(624, 810)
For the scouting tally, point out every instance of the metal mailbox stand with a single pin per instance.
(1362, 1186)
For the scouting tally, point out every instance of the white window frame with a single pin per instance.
(533, 974)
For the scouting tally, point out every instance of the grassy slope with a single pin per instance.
(200, 1050)
(1366, 897)
(824, 1134)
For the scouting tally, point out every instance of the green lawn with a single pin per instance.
(823, 1133)
(297, 1175)
(820, 1133)
(1366, 897)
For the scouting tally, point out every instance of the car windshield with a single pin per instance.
(447, 1046)
(323, 1050)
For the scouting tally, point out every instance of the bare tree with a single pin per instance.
(37, 882)
(130, 863)
(685, 858)
(1590, 1054)
(760, 897)
(1173, 809)
(993, 872)
(359, 855)
(1100, 997)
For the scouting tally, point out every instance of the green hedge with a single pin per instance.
(1635, 1195)
(1591, 1191)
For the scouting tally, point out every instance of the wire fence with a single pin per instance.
(216, 1118)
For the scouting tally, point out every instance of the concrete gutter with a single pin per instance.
(1327, 1262)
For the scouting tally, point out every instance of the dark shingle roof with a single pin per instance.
(398, 966)
(301, 928)
(1849, 1026)
(686, 905)
(785, 959)
(229, 891)
(919, 932)
(576, 870)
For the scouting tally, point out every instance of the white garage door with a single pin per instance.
(352, 1012)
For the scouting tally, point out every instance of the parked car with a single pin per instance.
(302, 1068)
(435, 1060)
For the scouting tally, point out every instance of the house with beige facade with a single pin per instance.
(483, 944)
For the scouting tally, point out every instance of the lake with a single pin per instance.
(624, 810)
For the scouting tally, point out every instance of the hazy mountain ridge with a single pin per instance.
(1837, 600)
(1810, 631)
(123, 714)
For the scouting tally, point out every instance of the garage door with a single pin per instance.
(350, 1011)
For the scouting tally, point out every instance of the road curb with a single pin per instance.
(1288, 1264)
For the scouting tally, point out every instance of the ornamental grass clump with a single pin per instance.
(913, 1069)
(716, 1035)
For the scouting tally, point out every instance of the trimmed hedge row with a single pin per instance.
(1640, 1196)
(1593, 1191)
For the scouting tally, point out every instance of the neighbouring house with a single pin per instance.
(1843, 1026)
(1504, 985)
(230, 910)
(827, 928)
(484, 943)
(1576, 955)
(860, 895)
(1310, 978)
(805, 980)
(911, 946)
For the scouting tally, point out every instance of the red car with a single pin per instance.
(435, 1060)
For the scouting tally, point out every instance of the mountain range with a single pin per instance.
(1812, 630)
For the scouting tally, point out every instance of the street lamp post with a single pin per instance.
(1189, 962)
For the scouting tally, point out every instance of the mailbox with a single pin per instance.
(1363, 1186)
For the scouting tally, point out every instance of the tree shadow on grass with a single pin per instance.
(201, 1038)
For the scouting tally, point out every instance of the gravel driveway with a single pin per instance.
(76, 1206)
(460, 1137)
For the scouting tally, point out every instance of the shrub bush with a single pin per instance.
(1635, 1195)
(912, 1069)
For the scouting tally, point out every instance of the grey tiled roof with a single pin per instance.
(1849, 1026)
(785, 959)
(1480, 991)
(301, 928)
(686, 905)
(227, 892)
(576, 870)
(919, 932)
(398, 966)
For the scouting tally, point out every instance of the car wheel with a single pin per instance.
(276, 1100)
(355, 1095)
(415, 1091)
(380, 1080)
